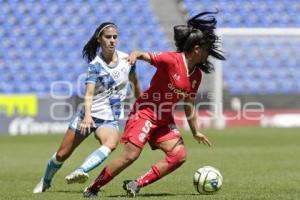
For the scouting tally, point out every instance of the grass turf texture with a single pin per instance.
(255, 164)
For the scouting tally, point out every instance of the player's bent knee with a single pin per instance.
(176, 157)
(181, 154)
(112, 145)
(130, 157)
(110, 142)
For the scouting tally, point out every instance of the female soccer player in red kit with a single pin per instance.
(178, 76)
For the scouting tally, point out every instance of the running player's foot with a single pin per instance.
(78, 176)
(89, 193)
(42, 186)
(131, 187)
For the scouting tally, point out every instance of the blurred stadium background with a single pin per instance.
(42, 70)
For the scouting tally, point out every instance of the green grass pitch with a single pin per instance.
(256, 163)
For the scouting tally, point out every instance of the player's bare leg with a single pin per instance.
(129, 154)
(108, 137)
(69, 143)
(175, 157)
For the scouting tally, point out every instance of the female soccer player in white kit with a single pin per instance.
(107, 85)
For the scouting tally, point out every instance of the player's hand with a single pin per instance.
(131, 59)
(201, 138)
(86, 124)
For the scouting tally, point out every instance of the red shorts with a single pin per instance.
(139, 131)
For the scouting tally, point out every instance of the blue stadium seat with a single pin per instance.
(50, 39)
(253, 13)
(23, 89)
(53, 37)
(7, 87)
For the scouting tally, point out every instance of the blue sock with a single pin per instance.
(52, 167)
(95, 158)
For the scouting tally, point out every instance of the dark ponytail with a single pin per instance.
(91, 48)
(199, 30)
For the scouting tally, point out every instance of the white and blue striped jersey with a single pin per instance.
(111, 85)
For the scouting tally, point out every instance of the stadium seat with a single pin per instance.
(50, 40)
(52, 37)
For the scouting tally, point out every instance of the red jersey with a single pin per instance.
(171, 83)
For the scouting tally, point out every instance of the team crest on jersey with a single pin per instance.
(115, 74)
(176, 77)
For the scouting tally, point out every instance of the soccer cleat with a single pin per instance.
(131, 187)
(42, 186)
(78, 176)
(89, 193)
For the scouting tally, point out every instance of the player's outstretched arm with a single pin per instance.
(136, 85)
(189, 109)
(87, 121)
(138, 55)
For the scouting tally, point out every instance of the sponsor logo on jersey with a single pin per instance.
(176, 90)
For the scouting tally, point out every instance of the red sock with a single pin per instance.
(151, 176)
(101, 180)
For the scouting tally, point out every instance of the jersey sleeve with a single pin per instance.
(160, 59)
(93, 71)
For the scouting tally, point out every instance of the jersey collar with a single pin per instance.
(110, 66)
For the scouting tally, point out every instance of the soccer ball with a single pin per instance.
(207, 180)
